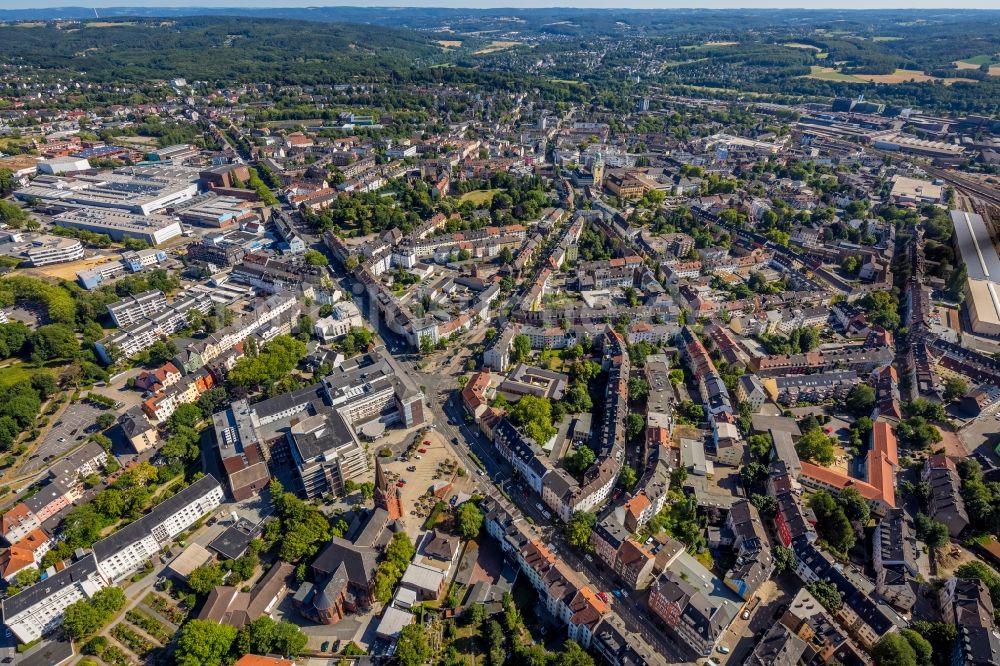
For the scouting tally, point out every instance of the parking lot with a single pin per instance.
(419, 475)
(68, 431)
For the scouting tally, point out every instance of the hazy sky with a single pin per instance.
(646, 4)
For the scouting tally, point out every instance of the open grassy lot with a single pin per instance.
(798, 45)
(480, 196)
(17, 371)
(449, 43)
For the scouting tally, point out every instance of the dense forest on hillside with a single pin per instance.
(217, 49)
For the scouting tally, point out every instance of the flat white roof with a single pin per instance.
(974, 242)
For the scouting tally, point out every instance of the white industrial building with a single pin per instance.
(154, 229)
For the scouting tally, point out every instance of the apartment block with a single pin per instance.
(39, 609)
(132, 546)
(137, 307)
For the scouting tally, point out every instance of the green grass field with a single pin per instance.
(983, 59)
(17, 372)
(829, 74)
(480, 196)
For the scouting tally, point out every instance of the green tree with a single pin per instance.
(784, 558)
(426, 344)
(941, 636)
(206, 577)
(54, 341)
(534, 415)
(12, 215)
(187, 415)
(634, 425)
(161, 351)
(955, 387)
(579, 527)
(44, 383)
(627, 478)
(832, 523)
(105, 420)
(521, 348)
(638, 389)
(204, 643)
(861, 399)
(573, 655)
(315, 258)
(816, 446)
(412, 647)
(932, 532)
(826, 594)
(469, 519)
(581, 460)
(894, 650)
(80, 620)
(854, 505)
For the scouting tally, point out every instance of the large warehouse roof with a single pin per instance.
(973, 240)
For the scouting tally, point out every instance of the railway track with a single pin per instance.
(986, 193)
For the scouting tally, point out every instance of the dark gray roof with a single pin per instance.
(359, 562)
(138, 530)
(779, 647)
(50, 492)
(233, 542)
(79, 571)
(332, 433)
(51, 653)
(134, 422)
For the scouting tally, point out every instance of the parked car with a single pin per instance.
(411, 468)
(603, 596)
(723, 649)
(421, 450)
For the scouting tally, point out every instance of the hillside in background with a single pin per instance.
(223, 49)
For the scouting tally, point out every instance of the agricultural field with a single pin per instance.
(978, 61)
(899, 76)
(496, 47)
(831, 74)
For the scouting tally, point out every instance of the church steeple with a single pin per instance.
(387, 496)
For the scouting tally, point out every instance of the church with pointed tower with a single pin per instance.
(386, 494)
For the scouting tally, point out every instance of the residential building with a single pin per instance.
(129, 341)
(753, 551)
(137, 307)
(229, 605)
(138, 430)
(39, 609)
(945, 503)
(779, 647)
(132, 546)
(18, 522)
(749, 390)
(25, 554)
(690, 616)
(966, 603)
